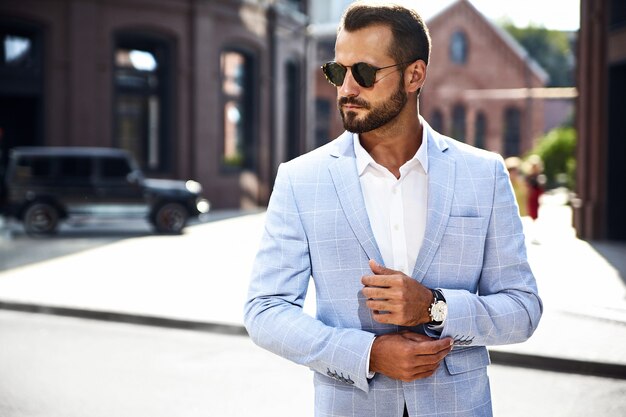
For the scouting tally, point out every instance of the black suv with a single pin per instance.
(44, 185)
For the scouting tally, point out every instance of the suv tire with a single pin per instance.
(170, 218)
(41, 219)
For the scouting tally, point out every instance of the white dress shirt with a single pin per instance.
(396, 207)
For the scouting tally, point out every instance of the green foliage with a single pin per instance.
(557, 149)
(552, 49)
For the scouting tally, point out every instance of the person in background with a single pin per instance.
(535, 181)
(413, 240)
(520, 187)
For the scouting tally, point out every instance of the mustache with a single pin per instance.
(341, 101)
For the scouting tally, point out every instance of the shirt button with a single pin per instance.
(396, 227)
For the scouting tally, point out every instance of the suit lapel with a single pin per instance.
(345, 177)
(441, 171)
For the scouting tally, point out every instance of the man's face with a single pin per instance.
(365, 109)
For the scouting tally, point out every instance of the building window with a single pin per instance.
(323, 108)
(458, 122)
(292, 122)
(142, 70)
(458, 48)
(436, 121)
(298, 5)
(237, 88)
(512, 132)
(21, 86)
(480, 130)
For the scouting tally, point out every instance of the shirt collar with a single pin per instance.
(364, 159)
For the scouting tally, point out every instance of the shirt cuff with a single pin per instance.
(369, 374)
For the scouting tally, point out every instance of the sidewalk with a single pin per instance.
(199, 280)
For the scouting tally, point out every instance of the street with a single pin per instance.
(57, 366)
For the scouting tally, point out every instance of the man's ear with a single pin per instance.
(415, 76)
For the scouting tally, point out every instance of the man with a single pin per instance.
(413, 240)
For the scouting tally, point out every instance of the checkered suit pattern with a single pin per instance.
(317, 227)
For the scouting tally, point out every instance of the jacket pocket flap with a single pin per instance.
(467, 359)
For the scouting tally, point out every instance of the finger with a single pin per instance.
(379, 305)
(381, 281)
(426, 371)
(377, 293)
(379, 269)
(416, 337)
(433, 346)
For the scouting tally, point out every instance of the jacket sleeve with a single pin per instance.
(507, 308)
(273, 313)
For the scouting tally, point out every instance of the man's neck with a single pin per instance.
(392, 146)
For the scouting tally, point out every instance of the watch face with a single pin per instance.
(439, 311)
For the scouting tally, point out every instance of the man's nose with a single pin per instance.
(349, 87)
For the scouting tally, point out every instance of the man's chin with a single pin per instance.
(352, 123)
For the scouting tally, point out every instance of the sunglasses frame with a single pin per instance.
(356, 73)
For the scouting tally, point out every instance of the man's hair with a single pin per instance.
(411, 40)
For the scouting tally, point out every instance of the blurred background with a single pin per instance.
(223, 91)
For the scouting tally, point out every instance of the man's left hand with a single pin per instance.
(396, 298)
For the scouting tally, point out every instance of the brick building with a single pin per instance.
(478, 83)
(210, 90)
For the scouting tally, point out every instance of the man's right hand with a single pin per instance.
(408, 356)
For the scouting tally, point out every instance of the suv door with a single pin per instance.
(119, 184)
(72, 181)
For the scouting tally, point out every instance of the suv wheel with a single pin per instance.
(170, 218)
(41, 219)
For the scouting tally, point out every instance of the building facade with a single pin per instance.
(209, 90)
(601, 111)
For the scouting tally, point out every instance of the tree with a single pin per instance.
(552, 49)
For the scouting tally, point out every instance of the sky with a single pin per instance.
(552, 14)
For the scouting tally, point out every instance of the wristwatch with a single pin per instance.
(438, 309)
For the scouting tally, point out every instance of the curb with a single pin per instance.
(543, 363)
(226, 329)
(569, 366)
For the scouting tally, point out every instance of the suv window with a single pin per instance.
(33, 167)
(113, 168)
(74, 167)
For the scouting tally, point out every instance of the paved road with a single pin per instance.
(57, 366)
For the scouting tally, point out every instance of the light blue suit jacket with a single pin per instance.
(317, 226)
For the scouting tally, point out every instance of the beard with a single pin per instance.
(377, 116)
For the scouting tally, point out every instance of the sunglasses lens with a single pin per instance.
(335, 73)
(364, 74)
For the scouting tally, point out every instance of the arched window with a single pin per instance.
(480, 130)
(458, 122)
(512, 131)
(142, 106)
(458, 48)
(436, 121)
(238, 111)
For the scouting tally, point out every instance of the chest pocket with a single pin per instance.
(461, 250)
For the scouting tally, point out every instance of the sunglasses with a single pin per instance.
(364, 74)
